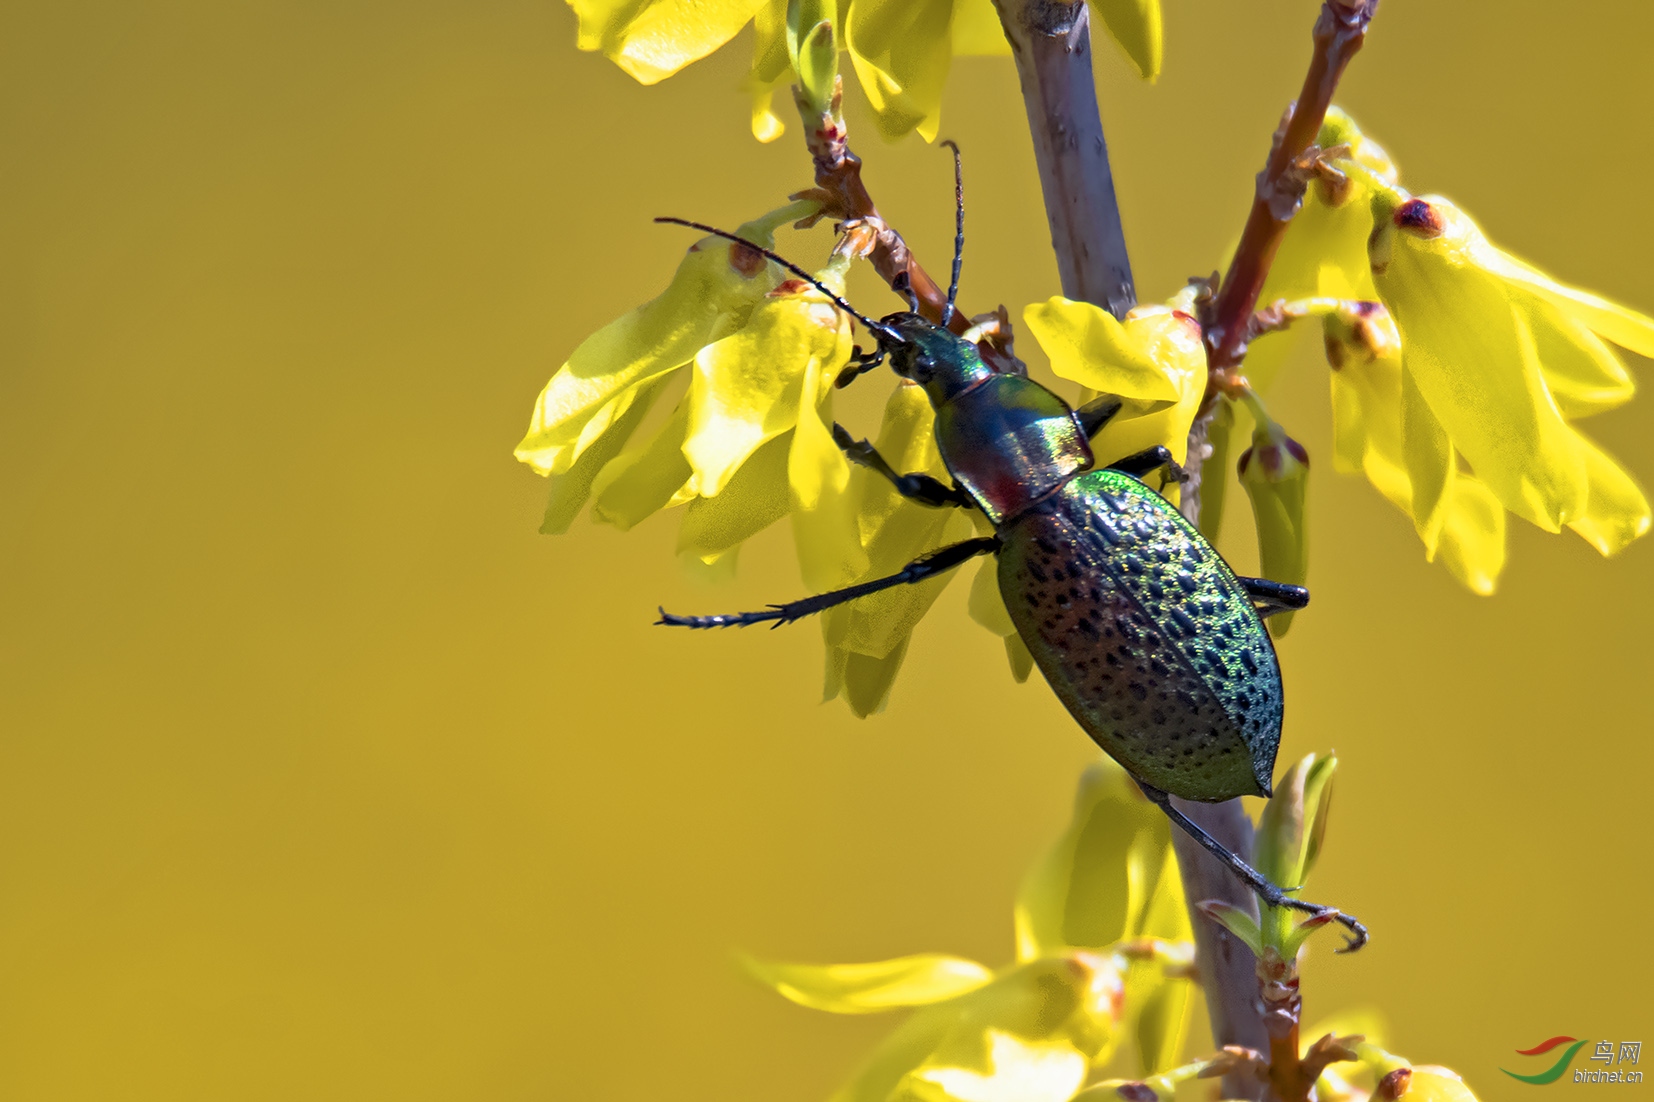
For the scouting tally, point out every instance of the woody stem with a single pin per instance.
(1339, 33)
(1051, 41)
(844, 195)
(1228, 967)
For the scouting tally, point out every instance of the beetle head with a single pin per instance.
(936, 358)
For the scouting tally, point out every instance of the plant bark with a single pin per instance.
(1051, 41)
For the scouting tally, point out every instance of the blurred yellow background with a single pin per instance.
(324, 776)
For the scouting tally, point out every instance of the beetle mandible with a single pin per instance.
(1156, 647)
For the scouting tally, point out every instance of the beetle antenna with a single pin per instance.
(958, 230)
(877, 328)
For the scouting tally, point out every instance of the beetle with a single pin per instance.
(1148, 637)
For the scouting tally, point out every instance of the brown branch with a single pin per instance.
(1227, 967)
(1339, 33)
(844, 196)
(1051, 41)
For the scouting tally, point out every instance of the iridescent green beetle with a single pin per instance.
(1152, 642)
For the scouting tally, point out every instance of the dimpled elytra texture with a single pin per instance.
(1145, 634)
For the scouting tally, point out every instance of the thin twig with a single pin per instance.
(1238, 1016)
(1051, 41)
(844, 195)
(1339, 34)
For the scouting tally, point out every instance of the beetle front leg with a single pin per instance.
(1097, 413)
(1254, 879)
(860, 364)
(915, 487)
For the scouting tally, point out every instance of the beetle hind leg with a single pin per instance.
(1252, 878)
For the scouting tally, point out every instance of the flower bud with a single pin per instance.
(1275, 472)
(812, 44)
(1289, 839)
(1360, 332)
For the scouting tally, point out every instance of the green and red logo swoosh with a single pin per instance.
(1556, 1070)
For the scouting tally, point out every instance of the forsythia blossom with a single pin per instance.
(749, 441)
(1101, 937)
(1458, 398)
(901, 50)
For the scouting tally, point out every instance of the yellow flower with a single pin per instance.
(1485, 339)
(1154, 361)
(749, 442)
(901, 49)
(1101, 931)
(1473, 416)
(867, 639)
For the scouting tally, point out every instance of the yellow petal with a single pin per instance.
(1366, 425)
(1474, 360)
(1367, 416)
(715, 288)
(746, 387)
(1083, 892)
(1089, 346)
(895, 531)
(1135, 25)
(825, 532)
(653, 39)
(868, 988)
(1616, 512)
(571, 489)
(1581, 372)
(644, 478)
(755, 498)
(1159, 1005)
(770, 70)
(987, 603)
(1020, 658)
(901, 50)
(1472, 543)
(1017, 1071)
(1428, 454)
(1433, 1083)
(867, 681)
(977, 30)
(1620, 324)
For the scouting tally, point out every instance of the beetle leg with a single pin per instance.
(1269, 597)
(916, 487)
(1150, 459)
(1096, 413)
(1255, 880)
(925, 566)
(860, 364)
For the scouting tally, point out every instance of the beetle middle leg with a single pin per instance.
(1157, 458)
(1269, 597)
(925, 566)
(1254, 879)
(915, 487)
